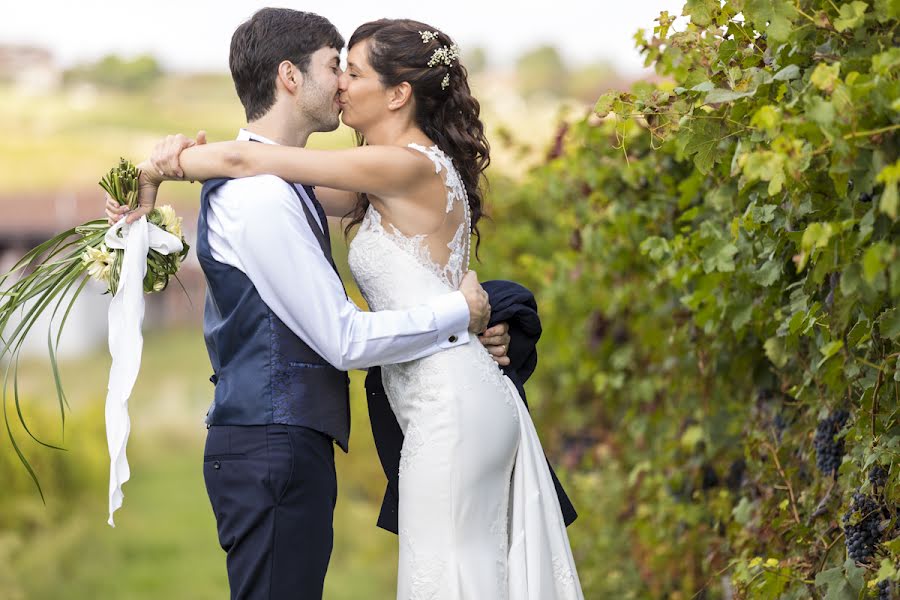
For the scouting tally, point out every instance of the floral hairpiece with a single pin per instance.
(428, 36)
(444, 55)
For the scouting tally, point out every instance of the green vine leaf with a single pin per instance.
(788, 73)
(852, 15)
(779, 16)
(701, 11)
(775, 350)
(889, 323)
(825, 77)
(703, 141)
(606, 102)
(718, 95)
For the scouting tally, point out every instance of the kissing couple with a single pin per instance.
(479, 513)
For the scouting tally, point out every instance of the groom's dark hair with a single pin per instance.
(270, 36)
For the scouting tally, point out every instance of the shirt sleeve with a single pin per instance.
(280, 255)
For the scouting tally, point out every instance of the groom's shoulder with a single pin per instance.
(266, 189)
(260, 184)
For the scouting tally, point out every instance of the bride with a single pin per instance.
(478, 514)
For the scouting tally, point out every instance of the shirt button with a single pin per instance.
(452, 339)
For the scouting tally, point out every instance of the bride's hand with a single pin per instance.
(164, 158)
(148, 187)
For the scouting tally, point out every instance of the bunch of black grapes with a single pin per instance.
(862, 531)
(878, 476)
(883, 590)
(830, 451)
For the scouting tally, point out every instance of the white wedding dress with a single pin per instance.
(479, 518)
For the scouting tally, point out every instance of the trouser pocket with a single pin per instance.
(280, 451)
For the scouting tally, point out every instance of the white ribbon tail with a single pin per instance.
(126, 317)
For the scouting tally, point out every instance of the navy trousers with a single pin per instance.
(273, 490)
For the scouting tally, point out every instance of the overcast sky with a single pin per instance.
(191, 35)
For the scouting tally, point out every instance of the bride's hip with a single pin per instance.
(469, 398)
(455, 368)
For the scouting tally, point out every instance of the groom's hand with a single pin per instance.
(496, 341)
(477, 299)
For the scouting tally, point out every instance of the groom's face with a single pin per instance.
(318, 99)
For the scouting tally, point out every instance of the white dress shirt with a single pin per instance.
(257, 226)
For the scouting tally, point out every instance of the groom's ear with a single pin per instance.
(289, 76)
(399, 96)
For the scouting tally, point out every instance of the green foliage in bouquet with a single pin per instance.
(43, 279)
(717, 264)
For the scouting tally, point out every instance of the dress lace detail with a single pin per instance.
(500, 531)
(458, 261)
(563, 575)
(427, 571)
(412, 443)
(490, 374)
(450, 274)
(455, 188)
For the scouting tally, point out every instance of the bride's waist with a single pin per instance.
(459, 363)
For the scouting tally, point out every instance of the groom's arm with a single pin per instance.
(281, 256)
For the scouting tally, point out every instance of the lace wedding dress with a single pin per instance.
(479, 518)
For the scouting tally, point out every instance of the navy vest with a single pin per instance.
(263, 372)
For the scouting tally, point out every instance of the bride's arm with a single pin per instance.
(223, 162)
(337, 203)
(384, 171)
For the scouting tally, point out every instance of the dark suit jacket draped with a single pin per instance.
(510, 303)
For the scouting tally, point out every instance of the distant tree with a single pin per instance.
(589, 81)
(475, 60)
(113, 71)
(542, 71)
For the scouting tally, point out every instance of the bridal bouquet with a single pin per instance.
(129, 260)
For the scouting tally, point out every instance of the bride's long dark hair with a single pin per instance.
(449, 115)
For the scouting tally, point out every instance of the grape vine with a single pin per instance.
(717, 266)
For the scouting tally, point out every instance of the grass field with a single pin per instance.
(164, 545)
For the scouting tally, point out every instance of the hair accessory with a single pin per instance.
(428, 36)
(444, 55)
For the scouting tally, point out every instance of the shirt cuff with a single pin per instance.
(451, 312)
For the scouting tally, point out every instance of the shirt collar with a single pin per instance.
(245, 135)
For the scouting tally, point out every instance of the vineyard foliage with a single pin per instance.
(716, 262)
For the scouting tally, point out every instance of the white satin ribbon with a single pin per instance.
(126, 318)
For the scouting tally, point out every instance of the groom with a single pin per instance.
(280, 329)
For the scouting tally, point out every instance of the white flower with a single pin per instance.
(427, 36)
(98, 261)
(170, 221)
(445, 55)
(159, 285)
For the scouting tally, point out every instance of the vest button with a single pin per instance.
(452, 339)
(216, 465)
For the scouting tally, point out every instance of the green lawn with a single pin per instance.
(164, 545)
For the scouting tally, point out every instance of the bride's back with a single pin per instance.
(418, 250)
